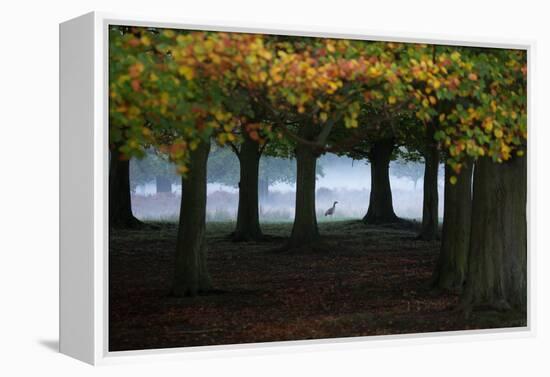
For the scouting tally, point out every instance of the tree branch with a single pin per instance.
(298, 139)
(235, 149)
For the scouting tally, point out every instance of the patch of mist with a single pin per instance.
(344, 180)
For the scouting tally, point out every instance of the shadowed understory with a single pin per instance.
(371, 280)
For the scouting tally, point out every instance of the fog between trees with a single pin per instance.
(343, 179)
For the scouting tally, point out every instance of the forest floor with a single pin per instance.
(369, 280)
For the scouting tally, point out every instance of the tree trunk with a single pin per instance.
(497, 266)
(380, 204)
(305, 231)
(191, 275)
(120, 201)
(429, 230)
(248, 220)
(163, 184)
(455, 241)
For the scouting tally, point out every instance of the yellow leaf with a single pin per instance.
(374, 72)
(187, 72)
(168, 33)
(164, 98)
(453, 180)
(323, 116)
(222, 138)
(498, 133)
(488, 124)
(392, 100)
(145, 40)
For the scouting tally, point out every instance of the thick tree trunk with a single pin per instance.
(191, 275)
(380, 204)
(120, 202)
(305, 231)
(497, 266)
(455, 240)
(248, 220)
(429, 230)
(163, 184)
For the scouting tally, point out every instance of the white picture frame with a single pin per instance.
(84, 192)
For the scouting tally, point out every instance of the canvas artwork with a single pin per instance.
(269, 187)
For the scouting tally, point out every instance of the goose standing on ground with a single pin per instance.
(330, 211)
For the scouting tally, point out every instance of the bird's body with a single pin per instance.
(330, 211)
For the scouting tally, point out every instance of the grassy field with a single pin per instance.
(369, 280)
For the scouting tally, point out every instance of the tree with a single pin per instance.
(452, 265)
(248, 218)
(407, 168)
(320, 95)
(380, 203)
(380, 144)
(154, 166)
(497, 267)
(120, 201)
(191, 273)
(155, 100)
(430, 204)
(325, 89)
(223, 168)
(486, 121)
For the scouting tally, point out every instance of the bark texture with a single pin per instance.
(305, 231)
(120, 201)
(430, 221)
(455, 239)
(248, 219)
(380, 204)
(497, 266)
(191, 275)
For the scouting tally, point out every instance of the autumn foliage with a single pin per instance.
(172, 88)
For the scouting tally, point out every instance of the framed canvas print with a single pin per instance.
(231, 188)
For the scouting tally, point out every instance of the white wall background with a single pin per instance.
(29, 212)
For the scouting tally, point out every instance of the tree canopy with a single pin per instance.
(172, 88)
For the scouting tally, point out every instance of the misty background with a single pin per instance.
(156, 188)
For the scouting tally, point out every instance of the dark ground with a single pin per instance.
(371, 281)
